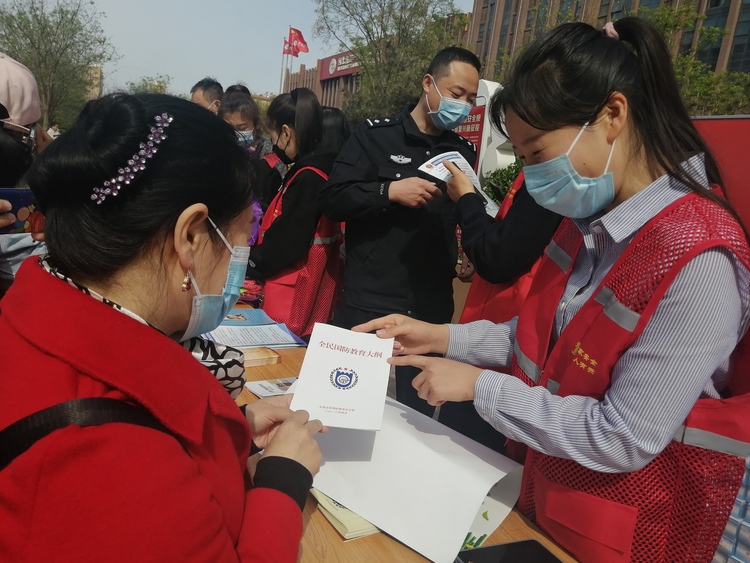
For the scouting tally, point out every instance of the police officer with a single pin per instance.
(401, 246)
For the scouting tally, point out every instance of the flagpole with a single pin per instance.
(283, 61)
(291, 51)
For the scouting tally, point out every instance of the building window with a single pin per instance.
(621, 8)
(716, 16)
(739, 57)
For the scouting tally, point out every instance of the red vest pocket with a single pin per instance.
(593, 529)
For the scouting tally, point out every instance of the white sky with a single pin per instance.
(231, 40)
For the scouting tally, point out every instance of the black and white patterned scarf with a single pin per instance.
(226, 363)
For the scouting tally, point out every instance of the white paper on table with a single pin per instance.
(273, 336)
(271, 387)
(416, 479)
(344, 378)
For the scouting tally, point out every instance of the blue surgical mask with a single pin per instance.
(208, 311)
(557, 186)
(245, 138)
(450, 114)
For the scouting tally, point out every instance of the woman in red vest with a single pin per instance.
(298, 247)
(624, 374)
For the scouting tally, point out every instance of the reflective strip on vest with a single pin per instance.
(616, 311)
(710, 441)
(531, 370)
(558, 256)
(326, 240)
(553, 386)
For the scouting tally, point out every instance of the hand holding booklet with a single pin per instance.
(436, 167)
(344, 378)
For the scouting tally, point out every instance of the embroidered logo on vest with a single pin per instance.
(583, 360)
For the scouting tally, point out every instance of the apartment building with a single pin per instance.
(500, 27)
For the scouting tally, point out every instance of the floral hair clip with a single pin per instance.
(136, 163)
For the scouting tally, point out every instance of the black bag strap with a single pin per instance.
(24, 433)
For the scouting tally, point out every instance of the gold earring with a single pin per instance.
(187, 283)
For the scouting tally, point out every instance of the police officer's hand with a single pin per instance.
(459, 185)
(466, 270)
(412, 192)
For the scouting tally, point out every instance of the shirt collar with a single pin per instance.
(632, 214)
(410, 126)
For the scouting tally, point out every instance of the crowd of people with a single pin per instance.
(601, 346)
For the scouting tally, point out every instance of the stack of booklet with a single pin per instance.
(348, 524)
(253, 328)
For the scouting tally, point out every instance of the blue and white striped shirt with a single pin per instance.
(681, 355)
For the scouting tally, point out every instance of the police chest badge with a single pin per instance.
(344, 378)
(400, 159)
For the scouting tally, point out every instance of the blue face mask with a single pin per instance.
(450, 114)
(208, 311)
(245, 138)
(557, 186)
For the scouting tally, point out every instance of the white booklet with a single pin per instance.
(435, 167)
(344, 378)
(423, 483)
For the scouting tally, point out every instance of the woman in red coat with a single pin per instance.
(147, 202)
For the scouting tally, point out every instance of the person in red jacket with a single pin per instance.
(147, 204)
(626, 374)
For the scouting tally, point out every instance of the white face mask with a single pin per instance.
(208, 311)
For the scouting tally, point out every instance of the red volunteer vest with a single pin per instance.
(305, 293)
(498, 302)
(676, 508)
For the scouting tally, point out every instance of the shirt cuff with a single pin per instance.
(458, 343)
(285, 475)
(488, 392)
(385, 202)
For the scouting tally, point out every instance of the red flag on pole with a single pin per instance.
(289, 49)
(297, 42)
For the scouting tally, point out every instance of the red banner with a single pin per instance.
(289, 49)
(298, 43)
(727, 138)
(471, 129)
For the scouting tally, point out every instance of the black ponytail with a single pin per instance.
(301, 111)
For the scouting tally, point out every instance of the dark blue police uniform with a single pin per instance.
(398, 259)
